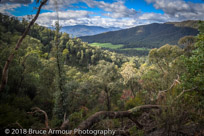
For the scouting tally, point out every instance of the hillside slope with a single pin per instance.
(148, 36)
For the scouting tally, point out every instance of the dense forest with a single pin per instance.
(58, 82)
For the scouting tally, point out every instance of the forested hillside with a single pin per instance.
(61, 83)
(147, 36)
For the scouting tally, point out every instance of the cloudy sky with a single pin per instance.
(107, 13)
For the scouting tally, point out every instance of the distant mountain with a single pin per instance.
(83, 30)
(149, 36)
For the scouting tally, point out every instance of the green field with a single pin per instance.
(138, 49)
(117, 46)
(107, 45)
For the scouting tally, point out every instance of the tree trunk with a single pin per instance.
(108, 103)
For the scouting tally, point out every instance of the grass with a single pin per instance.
(107, 45)
(138, 49)
(117, 46)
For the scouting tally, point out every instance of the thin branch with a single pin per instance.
(19, 125)
(65, 116)
(176, 81)
(162, 94)
(184, 91)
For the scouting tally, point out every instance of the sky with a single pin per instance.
(106, 13)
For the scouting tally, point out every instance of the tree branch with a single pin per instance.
(19, 125)
(98, 116)
(184, 91)
(37, 109)
(162, 94)
(176, 81)
(65, 122)
(11, 56)
(140, 126)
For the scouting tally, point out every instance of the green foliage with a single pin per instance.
(81, 54)
(10, 114)
(60, 107)
(62, 75)
(195, 65)
(165, 60)
(75, 118)
(194, 76)
(107, 79)
(136, 101)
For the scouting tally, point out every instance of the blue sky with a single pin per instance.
(107, 13)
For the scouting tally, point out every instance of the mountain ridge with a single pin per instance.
(84, 30)
(150, 36)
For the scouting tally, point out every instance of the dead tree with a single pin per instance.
(11, 56)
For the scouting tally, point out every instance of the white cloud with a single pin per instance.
(115, 9)
(5, 8)
(180, 9)
(49, 18)
(16, 1)
(60, 4)
(115, 14)
(82, 17)
(9, 5)
(111, 22)
(155, 17)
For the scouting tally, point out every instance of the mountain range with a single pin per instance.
(149, 36)
(83, 30)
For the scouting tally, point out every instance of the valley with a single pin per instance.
(97, 67)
